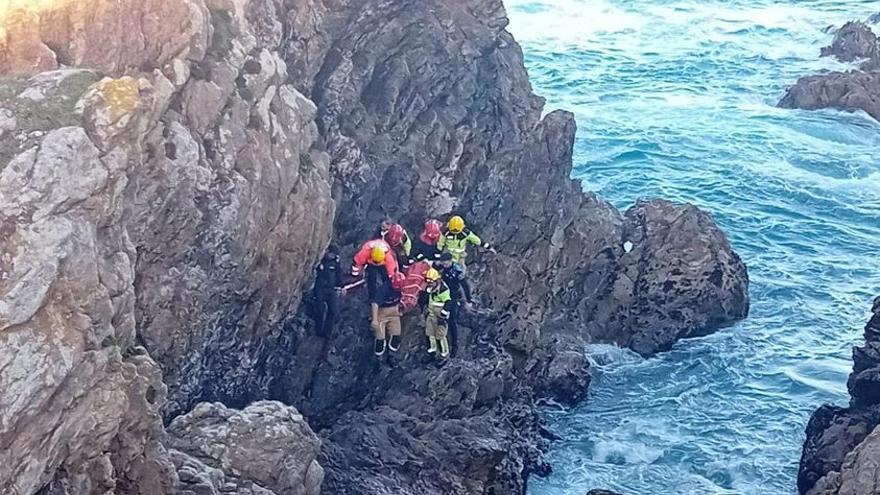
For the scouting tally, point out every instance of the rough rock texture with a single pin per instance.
(266, 448)
(167, 200)
(838, 454)
(426, 109)
(134, 215)
(852, 90)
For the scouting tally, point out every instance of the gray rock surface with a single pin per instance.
(266, 448)
(849, 91)
(164, 203)
(834, 433)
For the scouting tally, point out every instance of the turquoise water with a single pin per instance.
(676, 99)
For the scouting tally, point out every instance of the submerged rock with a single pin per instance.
(837, 455)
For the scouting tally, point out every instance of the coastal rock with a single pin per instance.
(80, 412)
(266, 448)
(834, 433)
(849, 91)
(168, 201)
(853, 42)
(682, 278)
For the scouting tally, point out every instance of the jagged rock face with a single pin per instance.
(87, 34)
(854, 41)
(427, 109)
(850, 91)
(266, 449)
(68, 363)
(229, 213)
(181, 209)
(841, 90)
(204, 200)
(859, 473)
(834, 433)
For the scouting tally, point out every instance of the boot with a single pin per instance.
(379, 348)
(432, 345)
(444, 348)
(394, 345)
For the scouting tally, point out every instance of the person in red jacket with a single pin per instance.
(425, 248)
(363, 256)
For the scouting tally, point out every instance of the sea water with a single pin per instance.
(676, 99)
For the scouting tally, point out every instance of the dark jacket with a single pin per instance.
(328, 276)
(379, 288)
(425, 252)
(455, 279)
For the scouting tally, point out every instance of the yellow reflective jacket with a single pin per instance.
(457, 244)
(439, 302)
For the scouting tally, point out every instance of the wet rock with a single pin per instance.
(266, 448)
(853, 42)
(833, 433)
(682, 278)
(849, 91)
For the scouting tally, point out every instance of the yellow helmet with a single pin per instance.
(377, 254)
(432, 275)
(456, 224)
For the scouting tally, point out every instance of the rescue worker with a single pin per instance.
(438, 300)
(459, 289)
(426, 247)
(399, 240)
(384, 303)
(362, 257)
(328, 284)
(456, 239)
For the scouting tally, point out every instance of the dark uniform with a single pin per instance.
(423, 251)
(328, 282)
(460, 290)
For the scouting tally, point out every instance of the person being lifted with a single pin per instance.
(384, 302)
(456, 239)
(438, 300)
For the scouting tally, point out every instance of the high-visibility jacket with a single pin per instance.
(457, 244)
(365, 252)
(440, 302)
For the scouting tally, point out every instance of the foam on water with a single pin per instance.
(677, 99)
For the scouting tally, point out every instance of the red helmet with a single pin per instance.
(432, 231)
(395, 235)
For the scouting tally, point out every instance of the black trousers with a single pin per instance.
(452, 325)
(326, 313)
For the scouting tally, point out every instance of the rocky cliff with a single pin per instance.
(840, 452)
(164, 200)
(852, 90)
